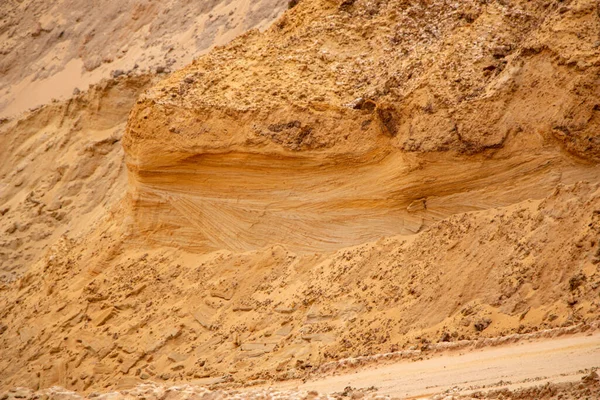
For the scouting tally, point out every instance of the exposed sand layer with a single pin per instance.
(364, 177)
(104, 310)
(340, 125)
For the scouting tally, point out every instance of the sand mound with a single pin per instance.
(100, 312)
(364, 177)
(86, 318)
(420, 76)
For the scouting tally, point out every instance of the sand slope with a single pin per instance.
(109, 310)
(361, 178)
(61, 167)
(48, 49)
(561, 368)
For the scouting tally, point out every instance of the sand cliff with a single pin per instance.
(360, 178)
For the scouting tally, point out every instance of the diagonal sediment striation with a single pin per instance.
(346, 122)
(243, 201)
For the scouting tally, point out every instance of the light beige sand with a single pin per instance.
(49, 49)
(557, 368)
(522, 365)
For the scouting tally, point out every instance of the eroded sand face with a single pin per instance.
(351, 182)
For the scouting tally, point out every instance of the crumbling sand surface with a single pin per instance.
(50, 48)
(102, 310)
(549, 369)
(364, 177)
(62, 167)
(410, 111)
(526, 365)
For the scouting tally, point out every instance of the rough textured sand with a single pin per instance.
(524, 365)
(405, 122)
(561, 368)
(361, 178)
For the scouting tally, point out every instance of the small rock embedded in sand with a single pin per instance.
(482, 324)
(56, 204)
(225, 294)
(19, 182)
(178, 358)
(177, 367)
(285, 310)
(204, 315)
(243, 307)
(129, 362)
(591, 377)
